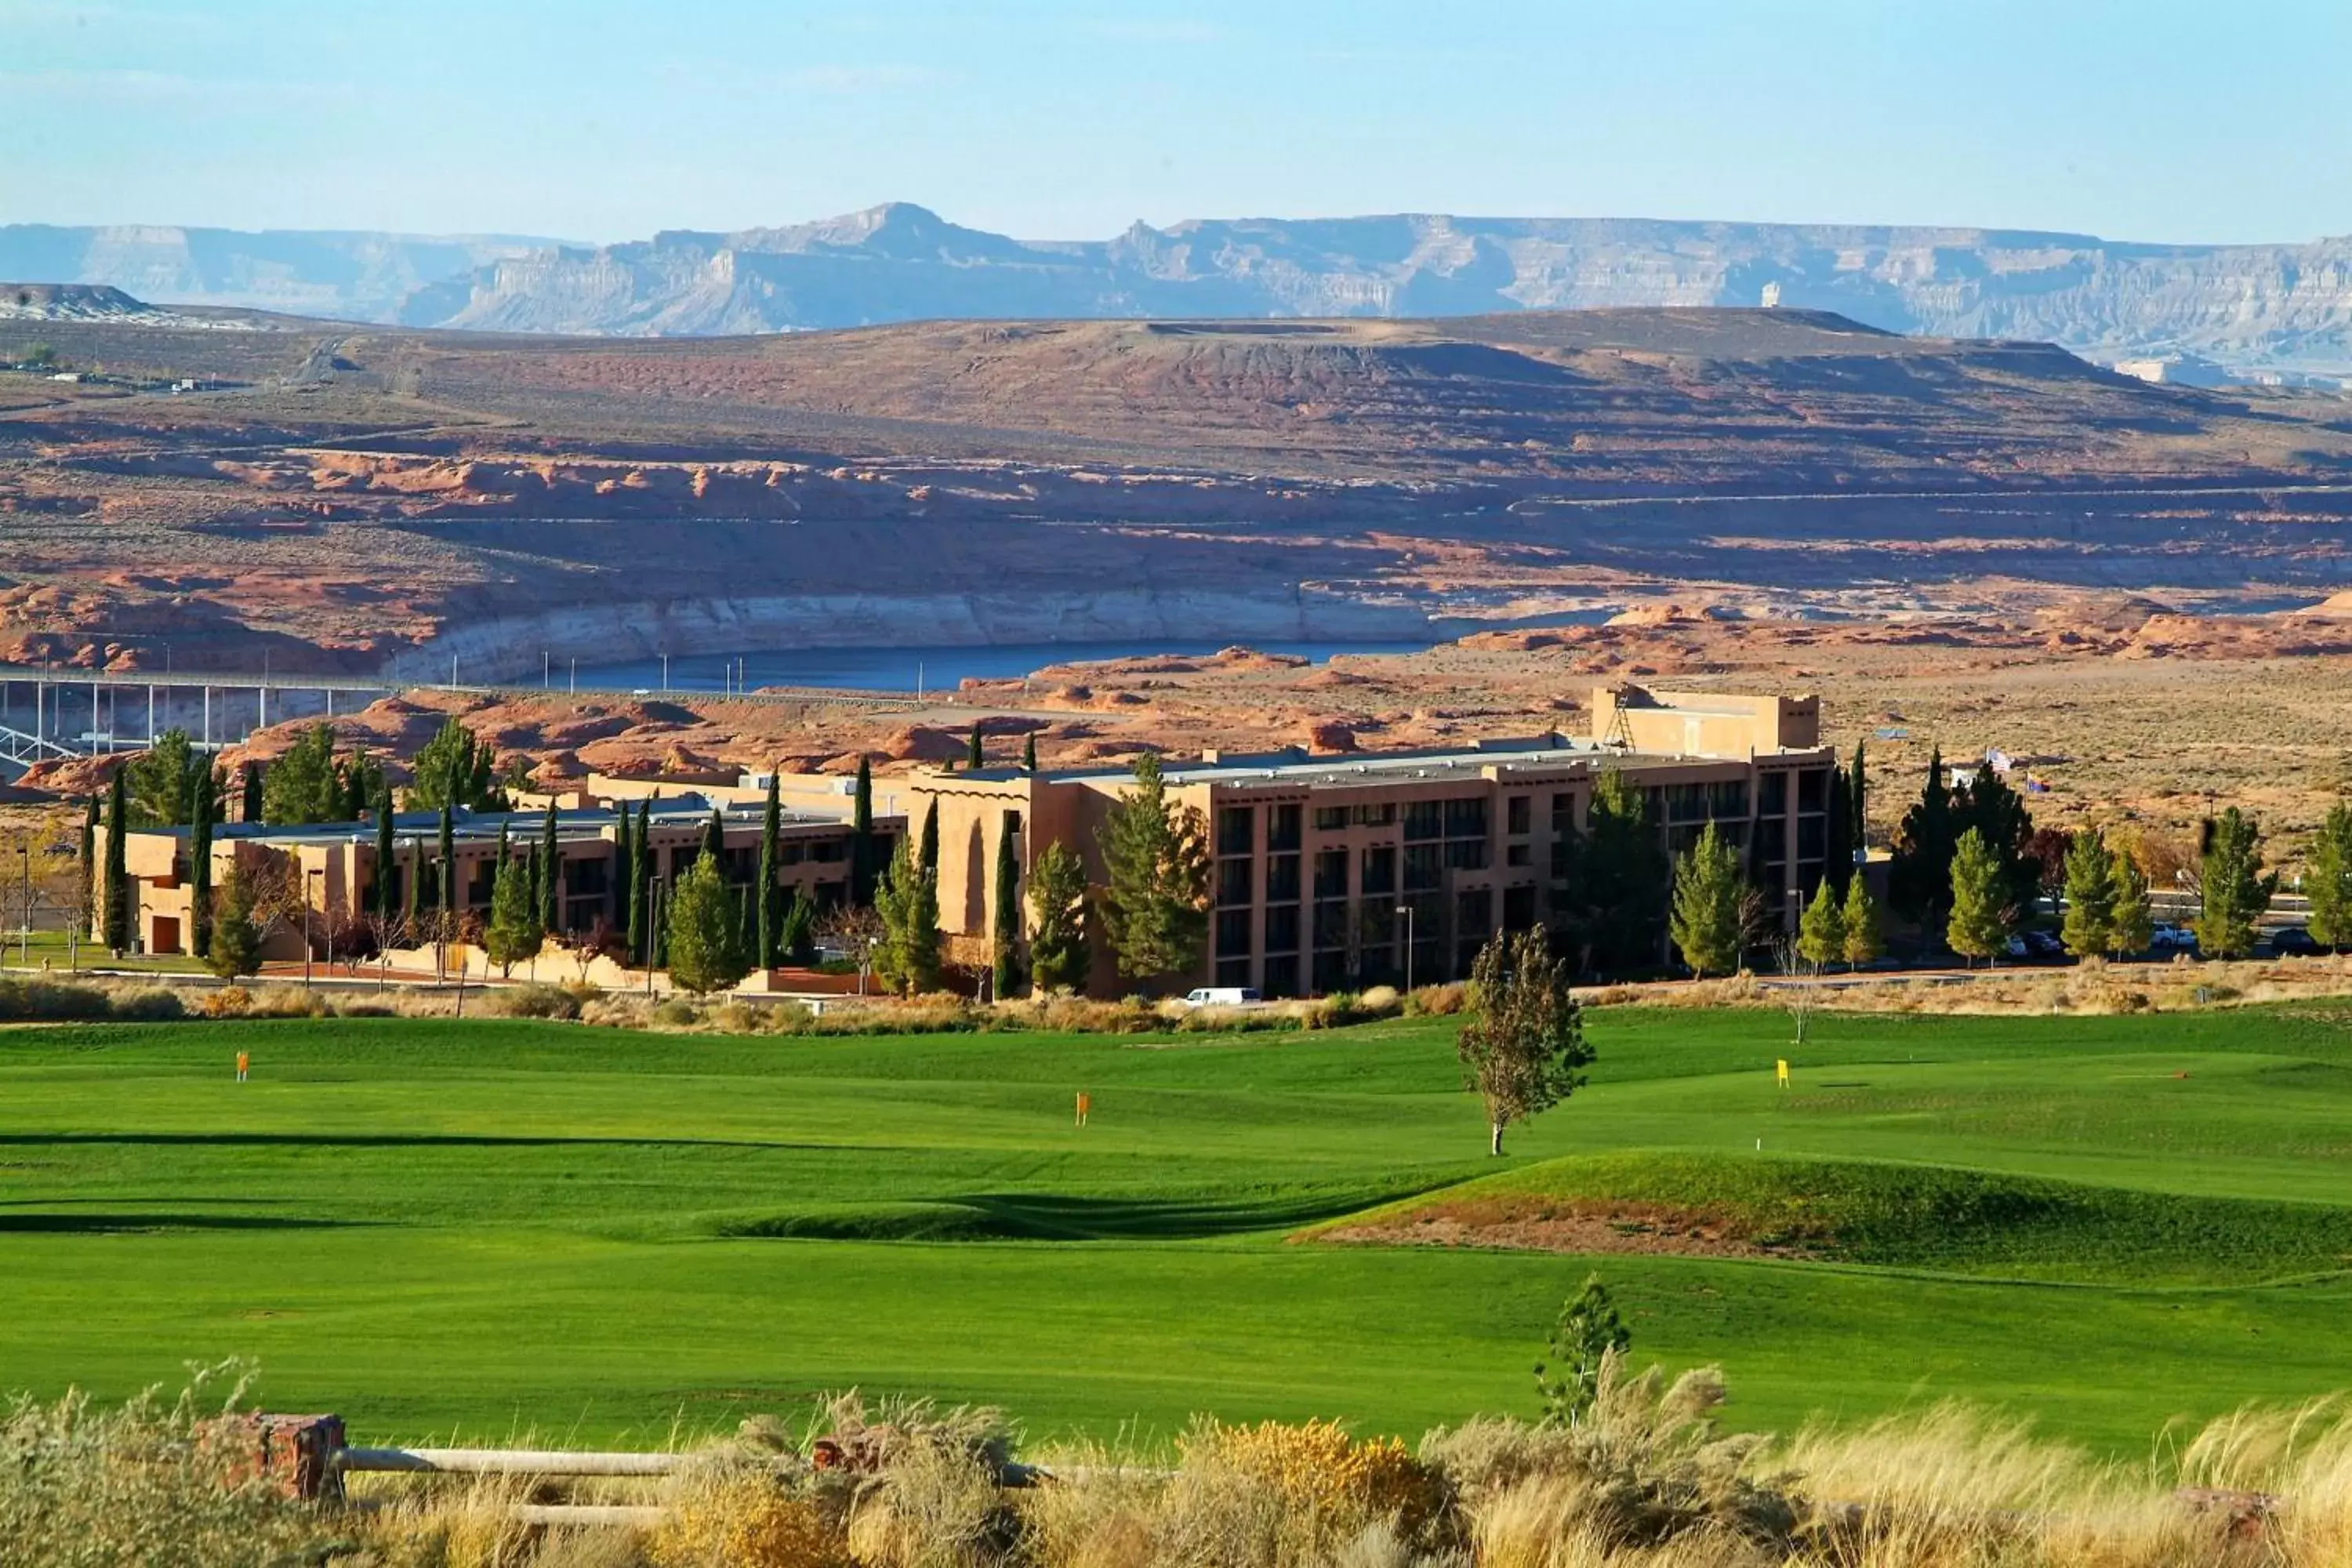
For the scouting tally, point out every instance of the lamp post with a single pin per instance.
(1406, 910)
(308, 872)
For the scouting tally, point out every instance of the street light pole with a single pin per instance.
(1406, 910)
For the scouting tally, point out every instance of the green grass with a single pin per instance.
(27, 951)
(488, 1227)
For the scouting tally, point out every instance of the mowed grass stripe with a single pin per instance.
(489, 1223)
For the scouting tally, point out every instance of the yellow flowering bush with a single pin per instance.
(747, 1523)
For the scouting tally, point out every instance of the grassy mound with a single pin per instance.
(1919, 1216)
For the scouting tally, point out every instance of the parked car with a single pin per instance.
(2167, 939)
(2296, 941)
(1221, 997)
(2044, 944)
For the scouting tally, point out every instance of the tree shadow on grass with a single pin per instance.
(117, 1224)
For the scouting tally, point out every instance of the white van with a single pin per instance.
(1222, 996)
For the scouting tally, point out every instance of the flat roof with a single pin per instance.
(523, 826)
(1366, 768)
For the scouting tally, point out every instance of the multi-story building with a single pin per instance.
(336, 863)
(1355, 869)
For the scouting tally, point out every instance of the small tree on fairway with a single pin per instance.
(2089, 924)
(2327, 880)
(1709, 891)
(1588, 1331)
(1005, 975)
(1979, 924)
(1058, 958)
(2233, 888)
(1525, 1051)
(908, 900)
(701, 920)
(514, 935)
(1820, 931)
(2132, 927)
(1156, 852)
(236, 941)
(1864, 941)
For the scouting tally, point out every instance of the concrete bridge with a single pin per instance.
(49, 714)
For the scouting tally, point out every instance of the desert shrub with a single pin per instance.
(617, 1010)
(48, 1000)
(1079, 1015)
(531, 1001)
(229, 1002)
(151, 1005)
(738, 1018)
(286, 1002)
(141, 1484)
(746, 1520)
(677, 1013)
(1437, 1001)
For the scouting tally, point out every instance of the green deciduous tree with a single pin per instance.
(1618, 880)
(1820, 930)
(1058, 957)
(454, 769)
(705, 952)
(1588, 1331)
(1005, 931)
(2231, 885)
(1155, 911)
(514, 935)
(236, 939)
(2328, 880)
(796, 940)
(2088, 925)
(2132, 926)
(908, 900)
(1525, 1051)
(1710, 893)
(1977, 926)
(302, 786)
(1865, 938)
(161, 782)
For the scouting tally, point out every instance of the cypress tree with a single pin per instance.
(119, 918)
(549, 869)
(200, 859)
(798, 938)
(975, 756)
(714, 840)
(641, 910)
(412, 883)
(1029, 752)
(927, 860)
(1006, 976)
(624, 864)
(384, 855)
(770, 948)
(1857, 813)
(1920, 878)
(89, 866)
(249, 807)
(861, 837)
(1837, 866)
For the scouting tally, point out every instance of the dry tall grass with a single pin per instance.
(1645, 1481)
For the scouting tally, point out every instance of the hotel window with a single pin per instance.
(1236, 830)
(1466, 818)
(1233, 882)
(1282, 929)
(1517, 816)
(1331, 873)
(1813, 789)
(1233, 932)
(1381, 815)
(1282, 828)
(1380, 869)
(1518, 855)
(1424, 866)
(1331, 818)
(1281, 878)
(1424, 819)
(1773, 798)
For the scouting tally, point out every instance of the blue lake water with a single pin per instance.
(910, 668)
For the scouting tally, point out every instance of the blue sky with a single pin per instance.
(604, 119)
